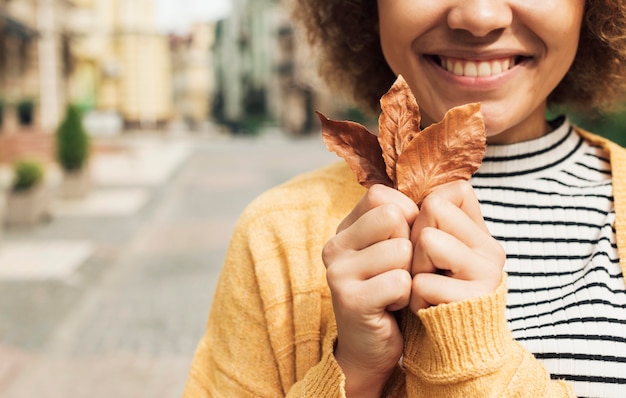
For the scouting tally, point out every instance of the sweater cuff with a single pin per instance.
(458, 341)
(326, 379)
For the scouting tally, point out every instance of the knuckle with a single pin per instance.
(432, 203)
(497, 254)
(333, 278)
(463, 187)
(424, 236)
(376, 194)
(330, 252)
(465, 192)
(403, 249)
(417, 282)
(402, 283)
(390, 213)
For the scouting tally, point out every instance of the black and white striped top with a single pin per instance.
(549, 202)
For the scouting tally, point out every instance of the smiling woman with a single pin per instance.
(417, 38)
(601, 52)
(510, 283)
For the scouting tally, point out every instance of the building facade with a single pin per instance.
(122, 64)
(33, 63)
(263, 66)
(193, 80)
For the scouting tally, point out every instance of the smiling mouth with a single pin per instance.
(470, 68)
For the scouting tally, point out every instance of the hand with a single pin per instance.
(368, 264)
(455, 257)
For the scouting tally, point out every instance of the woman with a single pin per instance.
(507, 285)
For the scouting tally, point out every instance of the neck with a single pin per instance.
(532, 127)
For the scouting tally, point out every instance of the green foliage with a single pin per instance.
(357, 115)
(609, 125)
(27, 173)
(72, 141)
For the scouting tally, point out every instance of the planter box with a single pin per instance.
(75, 184)
(28, 207)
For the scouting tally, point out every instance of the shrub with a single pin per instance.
(72, 141)
(28, 173)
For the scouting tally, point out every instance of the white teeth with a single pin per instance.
(470, 70)
(497, 68)
(458, 69)
(476, 69)
(484, 69)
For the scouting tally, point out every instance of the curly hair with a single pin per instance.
(351, 59)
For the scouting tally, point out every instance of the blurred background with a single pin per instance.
(132, 135)
(154, 64)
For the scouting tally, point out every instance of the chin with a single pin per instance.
(496, 132)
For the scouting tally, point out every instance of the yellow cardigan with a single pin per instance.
(271, 327)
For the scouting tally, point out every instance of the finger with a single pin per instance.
(439, 212)
(434, 289)
(437, 251)
(379, 258)
(426, 242)
(381, 223)
(389, 291)
(443, 232)
(376, 196)
(461, 195)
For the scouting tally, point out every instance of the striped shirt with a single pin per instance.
(549, 202)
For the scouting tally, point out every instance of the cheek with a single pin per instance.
(400, 23)
(391, 42)
(561, 52)
(562, 34)
(566, 34)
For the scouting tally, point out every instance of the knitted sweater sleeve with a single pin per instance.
(244, 352)
(465, 349)
(271, 330)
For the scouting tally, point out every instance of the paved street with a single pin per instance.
(109, 298)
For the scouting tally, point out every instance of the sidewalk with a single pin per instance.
(122, 182)
(110, 298)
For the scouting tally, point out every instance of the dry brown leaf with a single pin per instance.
(447, 151)
(398, 124)
(413, 161)
(358, 147)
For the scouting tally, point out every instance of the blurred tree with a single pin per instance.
(72, 142)
(611, 125)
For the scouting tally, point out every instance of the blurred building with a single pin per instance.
(192, 70)
(29, 72)
(121, 63)
(34, 67)
(264, 71)
(105, 55)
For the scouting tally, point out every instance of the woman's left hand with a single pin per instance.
(455, 256)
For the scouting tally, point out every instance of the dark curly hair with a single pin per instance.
(351, 59)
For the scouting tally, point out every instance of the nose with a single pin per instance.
(480, 17)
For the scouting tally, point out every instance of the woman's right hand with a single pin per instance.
(368, 271)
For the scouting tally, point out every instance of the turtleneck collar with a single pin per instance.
(533, 157)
